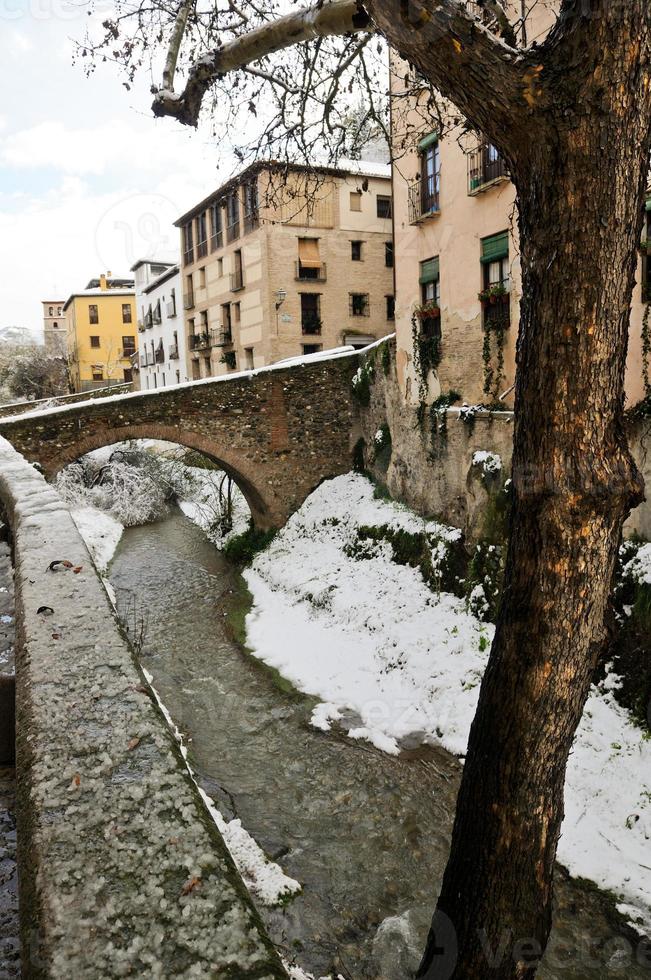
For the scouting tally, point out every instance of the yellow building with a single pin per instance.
(101, 333)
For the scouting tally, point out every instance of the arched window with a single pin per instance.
(55, 325)
(51, 311)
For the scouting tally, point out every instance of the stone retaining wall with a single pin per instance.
(434, 474)
(122, 871)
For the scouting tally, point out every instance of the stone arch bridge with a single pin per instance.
(278, 432)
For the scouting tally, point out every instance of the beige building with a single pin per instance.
(458, 276)
(281, 262)
(54, 327)
(101, 333)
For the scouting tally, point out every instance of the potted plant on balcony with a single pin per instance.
(428, 311)
(493, 294)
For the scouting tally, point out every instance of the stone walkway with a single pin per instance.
(9, 942)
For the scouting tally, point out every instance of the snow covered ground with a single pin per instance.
(391, 659)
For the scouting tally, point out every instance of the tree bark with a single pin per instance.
(580, 181)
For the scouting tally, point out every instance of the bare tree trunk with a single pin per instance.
(580, 184)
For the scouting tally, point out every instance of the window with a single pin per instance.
(235, 313)
(485, 165)
(309, 259)
(429, 281)
(204, 322)
(356, 251)
(237, 278)
(58, 311)
(248, 358)
(312, 348)
(93, 313)
(495, 277)
(430, 296)
(391, 307)
(232, 216)
(94, 341)
(383, 206)
(250, 201)
(129, 345)
(311, 313)
(220, 268)
(230, 360)
(388, 255)
(127, 373)
(97, 373)
(430, 174)
(355, 200)
(188, 247)
(51, 311)
(188, 299)
(126, 313)
(227, 323)
(202, 277)
(202, 235)
(358, 304)
(216, 231)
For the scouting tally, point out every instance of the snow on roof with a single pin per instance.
(335, 354)
(366, 168)
(169, 273)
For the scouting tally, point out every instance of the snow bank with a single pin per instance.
(100, 531)
(639, 567)
(388, 658)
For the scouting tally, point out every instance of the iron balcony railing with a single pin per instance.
(423, 198)
(302, 273)
(311, 324)
(233, 231)
(222, 338)
(485, 165)
(150, 358)
(198, 341)
(188, 256)
(216, 240)
(202, 248)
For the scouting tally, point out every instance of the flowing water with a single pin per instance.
(365, 833)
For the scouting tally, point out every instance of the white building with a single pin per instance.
(161, 357)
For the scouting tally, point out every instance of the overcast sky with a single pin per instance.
(89, 180)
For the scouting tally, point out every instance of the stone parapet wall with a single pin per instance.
(122, 870)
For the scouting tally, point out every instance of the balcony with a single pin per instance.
(170, 309)
(149, 319)
(199, 341)
(216, 241)
(188, 256)
(156, 315)
(143, 360)
(423, 198)
(485, 168)
(174, 352)
(311, 324)
(202, 249)
(159, 355)
(303, 273)
(150, 359)
(222, 338)
(188, 299)
(233, 231)
(237, 281)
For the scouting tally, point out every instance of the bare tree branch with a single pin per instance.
(335, 18)
(175, 43)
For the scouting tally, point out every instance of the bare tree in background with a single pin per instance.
(572, 117)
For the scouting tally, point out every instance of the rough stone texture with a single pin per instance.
(7, 671)
(9, 924)
(278, 432)
(436, 477)
(122, 871)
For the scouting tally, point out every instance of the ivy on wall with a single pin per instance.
(426, 354)
(495, 328)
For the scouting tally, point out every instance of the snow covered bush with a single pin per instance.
(361, 383)
(490, 463)
(133, 486)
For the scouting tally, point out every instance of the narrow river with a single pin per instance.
(365, 833)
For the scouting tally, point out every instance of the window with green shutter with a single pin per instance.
(495, 247)
(429, 280)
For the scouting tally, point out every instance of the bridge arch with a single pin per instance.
(258, 499)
